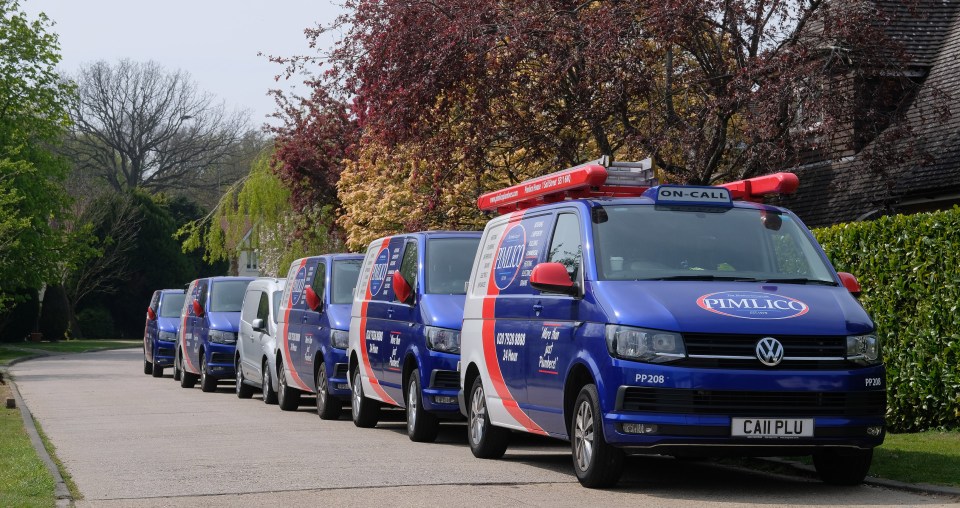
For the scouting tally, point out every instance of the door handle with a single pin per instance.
(537, 307)
(390, 313)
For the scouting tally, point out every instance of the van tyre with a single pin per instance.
(187, 379)
(157, 371)
(147, 366)
(422, 426)
(842, 466)
(328, 408)
(208, 383)
(596, 463)
(176, 367)
(365, 412)
(244, 391)
(269, 394)
(487, 441)
(288, 398)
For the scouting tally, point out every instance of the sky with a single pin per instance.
(215, 41)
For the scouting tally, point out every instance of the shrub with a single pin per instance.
(19, 321)
(96, 323)
(909, 269)
(54, 314)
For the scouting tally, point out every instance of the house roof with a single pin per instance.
(919, 25)
(846, 190)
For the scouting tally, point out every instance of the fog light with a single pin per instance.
(443, 399)
(638, 428)
(874, 431)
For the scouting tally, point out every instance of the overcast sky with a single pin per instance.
(216, 41)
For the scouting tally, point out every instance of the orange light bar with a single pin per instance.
(753, 189)
(544, 189)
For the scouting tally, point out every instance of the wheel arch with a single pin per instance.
(578, 377)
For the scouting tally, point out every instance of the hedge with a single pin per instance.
(909, 270)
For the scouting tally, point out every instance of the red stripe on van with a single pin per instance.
(364, 359)
(287, 361)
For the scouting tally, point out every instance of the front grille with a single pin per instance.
(446, 379)
(164, 351)
(340, 371)
(751, 403)
(221, 358)
(816, 352)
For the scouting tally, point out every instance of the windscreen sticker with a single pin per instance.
(752, 305)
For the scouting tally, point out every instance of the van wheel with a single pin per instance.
(366, 412)
(157, 371)
(244, 391)
(422, 426)
(269, 395)
(328, 408)
(147, 366)
(596, 463)
(176, 366)
(208, 383)
(187, 379)
(289, 398)
(487, 441)
(841, 466)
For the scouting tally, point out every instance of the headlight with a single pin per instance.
(339, 338)
(221, 337)
(442, 339)
(167, 336)
(863, 349)
(654, 346)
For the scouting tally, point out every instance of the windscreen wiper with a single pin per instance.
(706, 277)
(801, 280)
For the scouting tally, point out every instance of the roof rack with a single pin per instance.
(604, 178)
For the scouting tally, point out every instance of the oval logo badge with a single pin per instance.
(509, 256)
(752, 305)
(298, 282)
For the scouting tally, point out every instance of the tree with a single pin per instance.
(33, 116)
(138, 126)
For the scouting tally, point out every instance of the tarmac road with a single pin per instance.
(132, 440)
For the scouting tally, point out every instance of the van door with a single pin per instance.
(401, 326)
(550, 345)
(310, 323)
(379, 321)
(151, 329)
(248, 344)
(293, 345)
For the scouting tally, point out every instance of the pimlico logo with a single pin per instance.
(298, 283)
(379, 274)
(510, 254)
(752, 305)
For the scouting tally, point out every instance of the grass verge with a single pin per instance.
(52, 451)
(925, 457)
(24, 480)
(11, 351)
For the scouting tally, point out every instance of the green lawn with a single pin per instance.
(9, 351)
(24, 480)
(925, 457)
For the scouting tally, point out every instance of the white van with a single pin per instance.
(258, 337)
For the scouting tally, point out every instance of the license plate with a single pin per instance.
(772, 427)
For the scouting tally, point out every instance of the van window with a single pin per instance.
(565, 247)
(276, 304)
(319, 279)
(202, 293)
(263, 310)
(228, 295)
(172, 304)
(408, 265)
(448, 264)
(343, 280)
(636, 242)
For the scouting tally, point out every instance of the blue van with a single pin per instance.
(208, 331)
(311, 355)
(160, 332)
(672, 320)
(405, 328)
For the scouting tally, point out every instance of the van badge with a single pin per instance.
(752, 305)
(769, 351)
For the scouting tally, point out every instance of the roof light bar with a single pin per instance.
(754, 189)
(593, 179)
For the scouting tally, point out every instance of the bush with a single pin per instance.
(54, 314)
(19, 321)
(909, 269)
(96, 323)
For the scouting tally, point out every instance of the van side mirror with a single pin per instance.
(850, 282)
(401, 288)
(197, 308)
(151, 314)
(553, 278)
(258, 325)
(314, 301)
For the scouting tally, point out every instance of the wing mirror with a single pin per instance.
(850, 282)
(151, 314)
(553, 278)
(401, 288)
(197, 308)
(313, 299)
(258, 325)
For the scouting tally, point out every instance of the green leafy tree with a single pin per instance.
(33, 116)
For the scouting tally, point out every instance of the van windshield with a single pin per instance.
(345, 275)
(643, 242)
(171, 304)
(228, 295)
(449, 261)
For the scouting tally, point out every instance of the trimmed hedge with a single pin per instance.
(909, 269)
